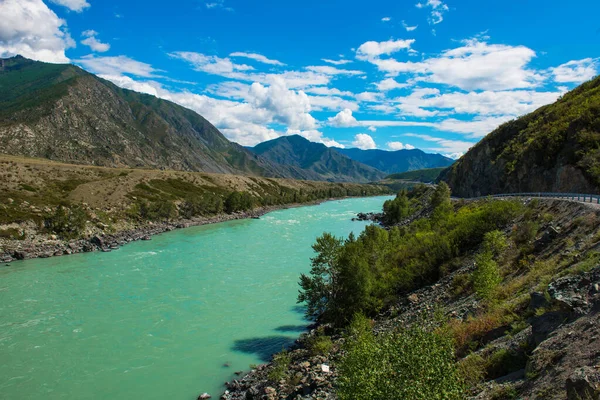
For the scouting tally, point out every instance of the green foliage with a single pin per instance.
(472, 370)
(68, 223)
(319, 344)
(318, 290)
(280, 365)
(206, 204)
(395, 211)
(239, 201)
(409, 364)
(158, 210)
(486, 277)
(362, 274)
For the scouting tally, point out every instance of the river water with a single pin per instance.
(168, 318)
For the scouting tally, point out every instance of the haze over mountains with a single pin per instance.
(62, 113)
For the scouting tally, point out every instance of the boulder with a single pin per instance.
(584, 383)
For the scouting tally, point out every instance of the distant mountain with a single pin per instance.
(397, 161)
(553, 149)
(315, 161)
(63, 113)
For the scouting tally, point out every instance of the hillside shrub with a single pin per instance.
(68, 223)
(411, 364)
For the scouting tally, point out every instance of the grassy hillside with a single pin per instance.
(32, 190)
(554, 149)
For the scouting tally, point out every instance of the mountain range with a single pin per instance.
(63, 113)
(397, 161)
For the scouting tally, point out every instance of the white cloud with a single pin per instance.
(399, 146)
(329, 70)
(386, 19)
(389, 84)
(438, 8)
(370, 50)
(343, 119)
(93, 43)
(474, 66)
(576, 71)
(116, 66)
(488, 103)
(31, 29)
(211, 64)
(372, 129)
(454, 156)
(74, 5)
(257, 57)
(331, 103)
(336, 62)
(364, 142)
(444, 145)
(369, 97)
(409, 28)
(286, 106)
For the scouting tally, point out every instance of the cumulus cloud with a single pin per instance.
(389, 84)
(399, 146)
(93, 43)
(31, 29)
(73, 5)
(386, 19)
(476, 65)
(218, 4)
(372, 50)
(364, 142)
(257, 57)
(343, 119)
(576, 71)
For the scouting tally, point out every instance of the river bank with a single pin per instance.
(42, 245)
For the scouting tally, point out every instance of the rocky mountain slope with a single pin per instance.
(535, 336)
(63, 113)
(553, 149)
(397, 161)
(315, 161)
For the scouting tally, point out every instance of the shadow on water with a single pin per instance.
(263, 347)
(292, 328)
(301, 309)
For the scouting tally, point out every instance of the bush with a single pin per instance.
(239, 201)
(486, 277)
(408, 364)
(281, 363)
(319, 344)
(68, 223)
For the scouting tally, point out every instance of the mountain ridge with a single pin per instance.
(553, 149)
(396, 161)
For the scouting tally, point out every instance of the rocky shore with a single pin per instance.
(38, 245)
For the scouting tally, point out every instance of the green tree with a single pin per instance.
(319, 289)
(394, 211)
(67, 223)
(487, 275)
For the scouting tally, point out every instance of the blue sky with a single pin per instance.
(432, 74)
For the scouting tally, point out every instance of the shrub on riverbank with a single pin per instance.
(406, 364)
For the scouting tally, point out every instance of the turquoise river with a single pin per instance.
(168, 318)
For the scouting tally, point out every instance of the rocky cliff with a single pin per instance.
(554, 149)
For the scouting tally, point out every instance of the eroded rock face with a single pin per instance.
(584, 383)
